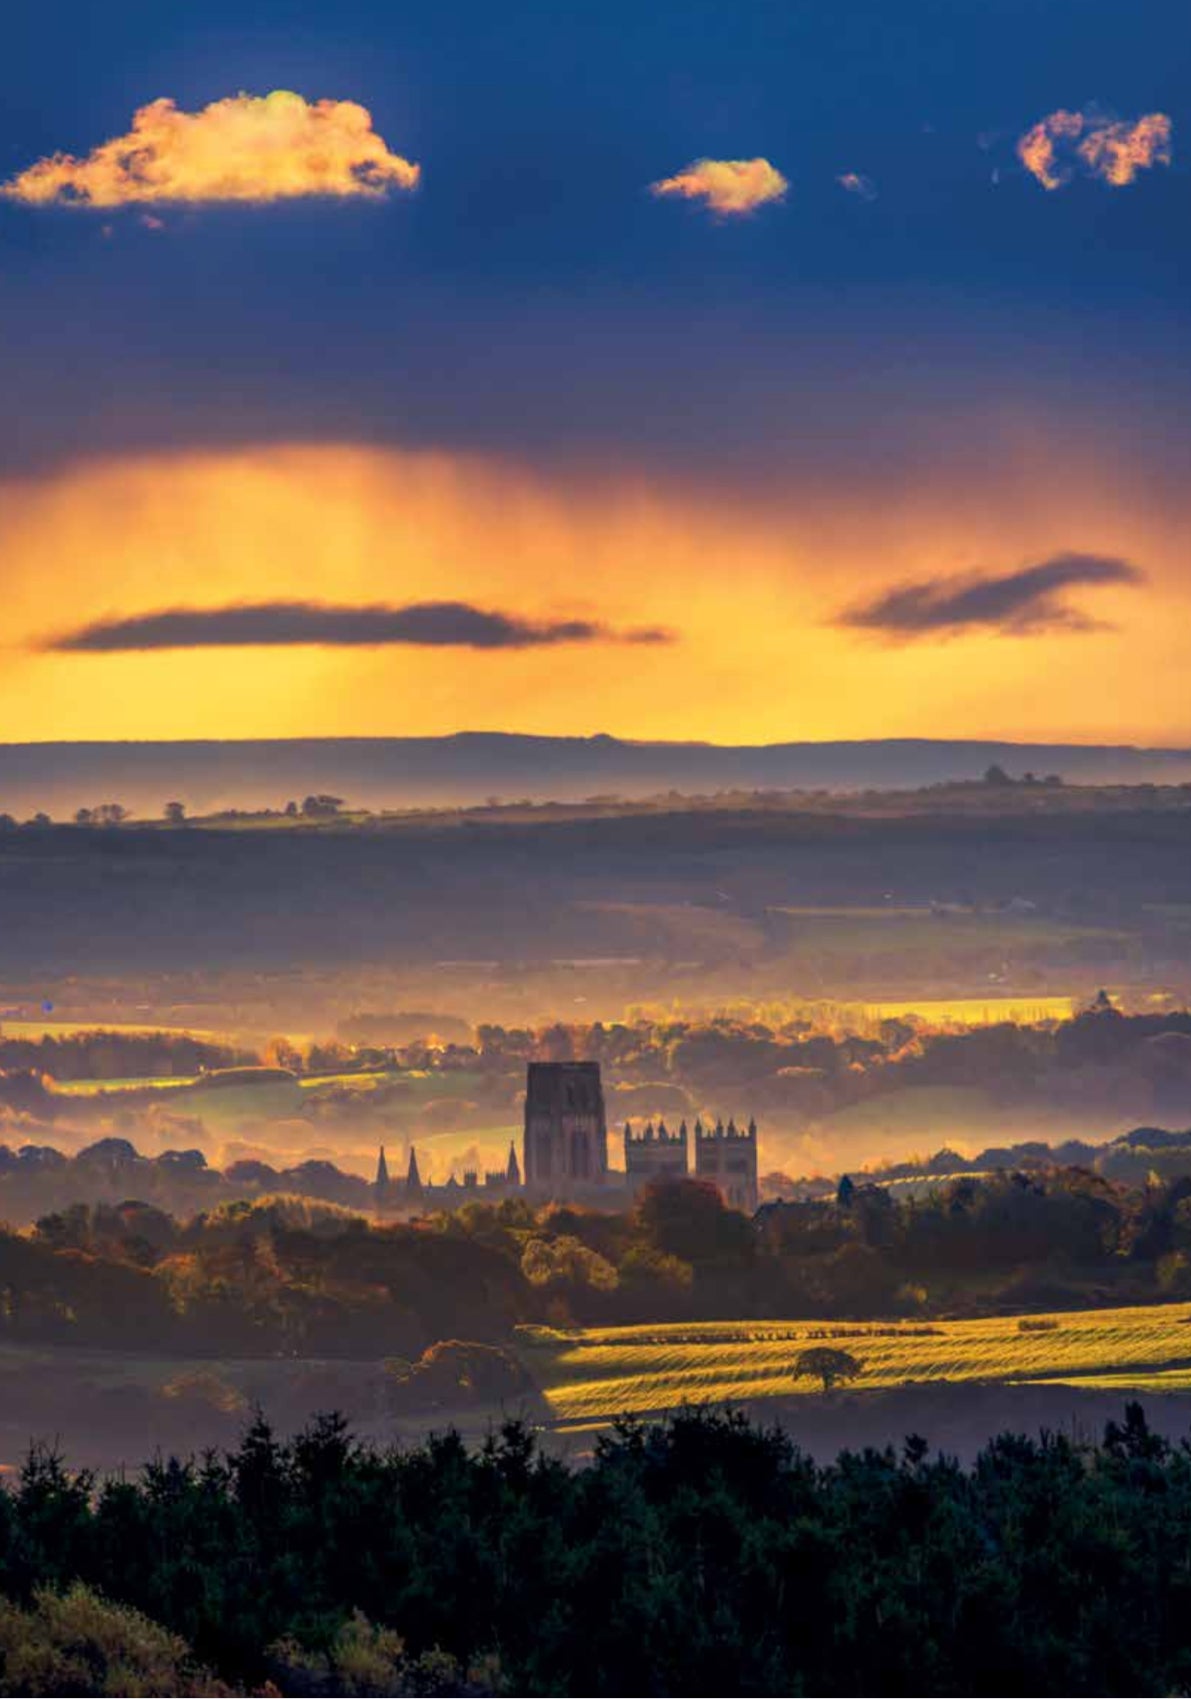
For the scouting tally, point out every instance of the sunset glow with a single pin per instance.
(752, 599)
(819, 453)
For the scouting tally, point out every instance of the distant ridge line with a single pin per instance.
(469, 766)
(598, 739)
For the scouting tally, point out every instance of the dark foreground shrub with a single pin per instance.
(78, 1643)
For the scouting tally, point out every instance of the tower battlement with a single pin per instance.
(654, 1153)
(727, 1156)
(731, 1134)
(649, 1134)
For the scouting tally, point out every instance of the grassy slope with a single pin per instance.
(591, 1375)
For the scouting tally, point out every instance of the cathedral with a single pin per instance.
(565, 1153)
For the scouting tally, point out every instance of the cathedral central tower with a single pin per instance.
(566, 1134)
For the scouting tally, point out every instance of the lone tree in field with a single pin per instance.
(827, 1365)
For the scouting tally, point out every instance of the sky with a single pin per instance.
(742, 372)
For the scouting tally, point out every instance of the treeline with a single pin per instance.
(808, 1067)
(291, 1277)
(800, 1069)
(680, 1066)
(703, 1555)
(39, 1179)
(1135, 1158)
(100, 1055)
(278, 1278)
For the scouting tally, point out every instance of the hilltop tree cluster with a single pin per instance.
(100, 1055)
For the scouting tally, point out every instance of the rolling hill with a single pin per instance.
(432, 771)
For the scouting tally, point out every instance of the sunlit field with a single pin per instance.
(591, 1375)
(92, 1088)
(70, 1029)
(977, 1011)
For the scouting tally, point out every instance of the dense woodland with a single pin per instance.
(700, 1556)
(287, 1276)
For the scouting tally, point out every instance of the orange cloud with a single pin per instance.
(728, 186)
(1037, 150)
(245, 148)
(1114, 150)
(1117, 152)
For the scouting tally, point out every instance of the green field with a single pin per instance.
(591, 1375)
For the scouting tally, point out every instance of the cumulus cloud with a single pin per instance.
(1112, 149)
(856, 183)
(244, 148)
(456, 625)
(1024, 603)
(727, 186)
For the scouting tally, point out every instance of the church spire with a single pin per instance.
(513, 1169)
(381, 1186)
(413, 1180)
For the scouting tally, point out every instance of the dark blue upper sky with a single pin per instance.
(533, 297)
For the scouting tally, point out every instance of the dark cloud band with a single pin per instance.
(1019, 604)
(456, 625)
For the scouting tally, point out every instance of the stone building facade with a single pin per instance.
(655, 1153)
(727, 1156)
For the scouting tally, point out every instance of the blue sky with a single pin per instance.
(532, 275)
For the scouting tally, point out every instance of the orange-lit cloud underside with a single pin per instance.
(1114, 150)
(728, 186)
(749, 589)
(240, 149)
